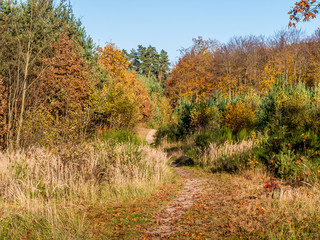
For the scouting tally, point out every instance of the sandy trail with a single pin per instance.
(167, 218)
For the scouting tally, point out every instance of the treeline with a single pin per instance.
(245, 64)
(57, 86)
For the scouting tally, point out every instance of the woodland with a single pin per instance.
(240, 120)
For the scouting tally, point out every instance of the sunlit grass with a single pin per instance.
(47, 195)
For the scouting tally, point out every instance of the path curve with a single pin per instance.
(151, 136)
(167, 218)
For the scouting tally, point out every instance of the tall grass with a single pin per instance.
(100, 172)
(56, 188)
(227, 156)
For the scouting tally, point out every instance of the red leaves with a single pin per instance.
(272, 185)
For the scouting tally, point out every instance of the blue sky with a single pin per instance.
(171, 24)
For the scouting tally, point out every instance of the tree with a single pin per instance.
(28, 30)
(64, 93)
(148, 62)
(121, 100)
(66, 80)
(3, 115)
(193, 74)
(163, 66)
(304, 10)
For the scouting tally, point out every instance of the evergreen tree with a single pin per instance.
(148, 62)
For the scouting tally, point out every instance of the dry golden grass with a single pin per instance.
(100, 172)
(57, 187)
(214, 152)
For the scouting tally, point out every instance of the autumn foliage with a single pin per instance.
(66, 81)
(64, 94)
(121, 100)
(244, 65)
(304, 10)
(193, 74)
(238, 116)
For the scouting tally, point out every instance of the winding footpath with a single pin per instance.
(167, 218)
(151, 136)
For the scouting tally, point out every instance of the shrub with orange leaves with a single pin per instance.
(238, 116)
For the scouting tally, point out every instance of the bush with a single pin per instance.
(290, 106)
(231, 164)
(121, 136)
(203, 139)
(167, 132)
(293, 156)
(238, 116)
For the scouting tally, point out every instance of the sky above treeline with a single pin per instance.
(171, 24)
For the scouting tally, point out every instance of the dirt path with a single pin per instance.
(167, 218)
(150, 138)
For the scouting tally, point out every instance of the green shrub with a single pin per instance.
(290, 106)
(231, 164)
(121, 136)
(203, 139)
(224, 135)
(293, 156)
(167, 132)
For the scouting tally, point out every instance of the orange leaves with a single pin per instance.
(192, 75)
(114, 62)
(304, 10)
(66, 80)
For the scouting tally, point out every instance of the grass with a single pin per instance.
(237, 205)
(82, 192)
(211, 157)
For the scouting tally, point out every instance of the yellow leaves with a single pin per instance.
(238, 116)
(123, 100)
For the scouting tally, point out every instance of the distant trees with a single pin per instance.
(245, 64)
(148, 62)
